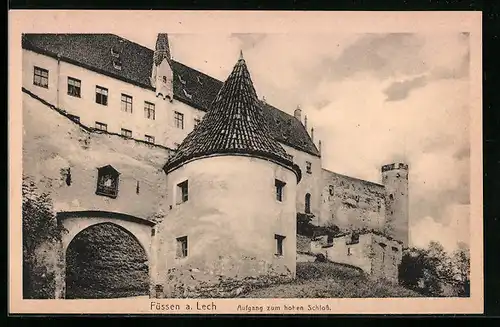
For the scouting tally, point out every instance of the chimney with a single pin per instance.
(298, 113)
(312, 133)
(305, 122)
(319, 146)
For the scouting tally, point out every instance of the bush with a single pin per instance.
(39, 228)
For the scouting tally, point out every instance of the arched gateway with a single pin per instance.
(104, 255)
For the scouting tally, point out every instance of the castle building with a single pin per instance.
(205, 175)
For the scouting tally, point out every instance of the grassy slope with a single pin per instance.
(329, 280)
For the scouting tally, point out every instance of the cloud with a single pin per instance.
(400, 90)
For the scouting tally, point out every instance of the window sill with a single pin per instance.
(74, 96)
(112, 196)
(279, 256)
(42, 86)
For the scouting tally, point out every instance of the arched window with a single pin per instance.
(308, 203)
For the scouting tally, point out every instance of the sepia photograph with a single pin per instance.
(159, 165)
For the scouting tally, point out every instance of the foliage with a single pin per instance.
(306, 228)
(429, 271)
(39, 228)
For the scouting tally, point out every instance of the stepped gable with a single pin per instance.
(93, 52)
(234, 124)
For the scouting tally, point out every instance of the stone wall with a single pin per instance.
(351, 203)
(377, 255)
(54, 146)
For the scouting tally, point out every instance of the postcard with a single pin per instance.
(169, 162)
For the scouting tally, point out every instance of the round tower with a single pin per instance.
(231, 194)
(395, 179)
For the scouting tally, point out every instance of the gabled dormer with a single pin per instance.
(161, 73)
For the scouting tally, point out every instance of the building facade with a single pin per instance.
(216, 174)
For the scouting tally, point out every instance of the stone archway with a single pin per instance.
(106, 261)
(104, 255)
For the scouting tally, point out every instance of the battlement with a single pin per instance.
(394, 166)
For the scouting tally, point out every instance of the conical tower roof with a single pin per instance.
(233, 125)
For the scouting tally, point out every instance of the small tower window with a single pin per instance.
(308, 167)
(179, 120)
(331, 190)
(279, 189)
(107, 181)
(349, 252)
(165, 79)
(308, 203)
(279, 244)
(182, 247)
(182, 191)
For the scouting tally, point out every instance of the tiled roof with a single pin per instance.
(234, 124)
(93, 51)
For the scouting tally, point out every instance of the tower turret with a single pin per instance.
(161, 73)
(395, 179)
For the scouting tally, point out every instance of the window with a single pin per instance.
(182, 247)
(74, 118)
(279, 189)
(196, 121)
(117, 64)
(101, 95)
(126, 132)
(107, 181)
(308, 203)
(179, 120)
(115, 53)
(126, 103)
(165, 79)
(101, 126)
(349, 251)
(149, 110)
(41, 77)
(279, 244)
(308, 167)
(395, 249)
(149, 138)
(74, 87)
(182, 191)
(331, 190)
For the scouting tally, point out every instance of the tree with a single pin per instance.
(425, 270)
(39, 228)
(461, 261)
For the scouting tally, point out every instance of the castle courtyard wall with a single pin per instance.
(351, 203)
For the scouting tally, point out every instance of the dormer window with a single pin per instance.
(181, 80)
(115, 53)
(117, 64)
(107, 181)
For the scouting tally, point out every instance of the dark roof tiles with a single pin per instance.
(93, 51)
(234, 124)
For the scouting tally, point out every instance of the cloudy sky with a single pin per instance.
(372, 99)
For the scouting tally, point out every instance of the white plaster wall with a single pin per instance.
(231, 216)
(310, 183)
(162, 128)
